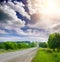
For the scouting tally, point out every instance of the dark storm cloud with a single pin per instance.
(24, 1)
(4, 17)
(2, 0)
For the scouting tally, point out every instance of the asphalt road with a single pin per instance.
(19, 56)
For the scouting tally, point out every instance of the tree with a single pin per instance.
(54, 41)
(2, 46)
(10, 45)
(43, 44)
(33, 44)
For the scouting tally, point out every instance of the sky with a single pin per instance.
(29, 20)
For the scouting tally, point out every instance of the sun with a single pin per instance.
(49, 7)
(46, 6)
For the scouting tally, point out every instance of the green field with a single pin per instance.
(46, 55)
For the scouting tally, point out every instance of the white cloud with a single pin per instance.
(18, 6)
(10, 38)
(2, 32)
(23, 39)
(55, 28)
(30, 7)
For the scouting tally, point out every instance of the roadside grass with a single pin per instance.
(46, 55)
(10, 50)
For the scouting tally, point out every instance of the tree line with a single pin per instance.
(16, 45)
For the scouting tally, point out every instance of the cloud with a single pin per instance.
(19, 7)
(22, 39)
(13, 24)
(44, 18)
(10, 38)
(43, 15)
(55, 28)
(8, 16)
(3, 32)
(31, 9)
(4, 16)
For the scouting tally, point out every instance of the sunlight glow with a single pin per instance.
(48, 10)
(49, 7)
(46, 7)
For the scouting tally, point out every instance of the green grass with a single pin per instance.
(46, 55)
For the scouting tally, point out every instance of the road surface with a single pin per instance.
(19, 56)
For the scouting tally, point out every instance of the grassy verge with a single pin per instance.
(6, 51)
(46, 55)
